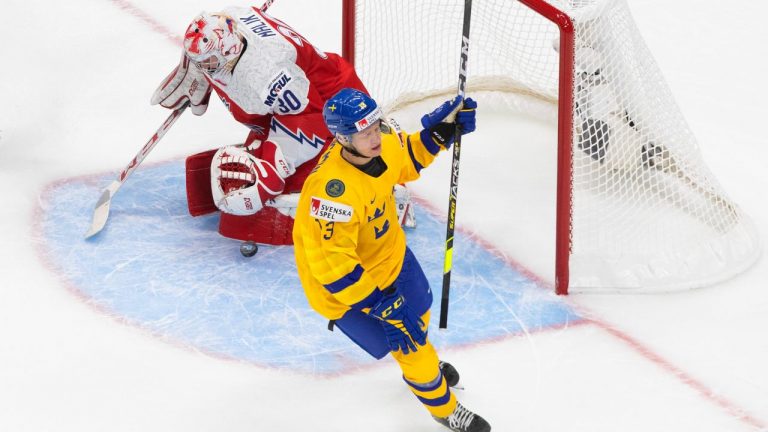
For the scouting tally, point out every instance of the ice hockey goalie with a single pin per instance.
(273, 81)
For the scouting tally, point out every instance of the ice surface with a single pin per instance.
(163, 270)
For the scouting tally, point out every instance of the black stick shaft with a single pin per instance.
(455, 174)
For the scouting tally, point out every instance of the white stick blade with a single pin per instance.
(290, 200)
(100, 214)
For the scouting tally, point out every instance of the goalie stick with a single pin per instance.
(666, 163)
(101, 210)
(266, 5)
(669, 164)
(454, 174)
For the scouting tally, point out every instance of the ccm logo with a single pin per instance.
(193, 87)
(284, 166)
(395, 306)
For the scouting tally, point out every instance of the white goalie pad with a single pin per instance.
(287, 203)
(405, 211)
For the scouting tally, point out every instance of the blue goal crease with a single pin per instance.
(175, 275)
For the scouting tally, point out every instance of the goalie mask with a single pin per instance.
(212, 42)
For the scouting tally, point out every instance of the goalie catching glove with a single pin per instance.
(185, 84)
(241, 182)
(402, 326)
(441, 125)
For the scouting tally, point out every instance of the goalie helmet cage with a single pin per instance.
(637, 209)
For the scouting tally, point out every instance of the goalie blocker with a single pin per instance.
(254, 206)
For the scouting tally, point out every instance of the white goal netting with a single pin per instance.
(645, 212)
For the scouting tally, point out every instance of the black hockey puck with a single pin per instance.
(249, 249)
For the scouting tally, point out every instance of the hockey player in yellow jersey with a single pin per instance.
(351, 252)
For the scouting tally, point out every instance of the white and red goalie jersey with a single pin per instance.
(278, 86)
(273, 81)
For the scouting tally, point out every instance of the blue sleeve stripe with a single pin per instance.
(429, 144)
(416, 163)
(345, 281)
(428, 387)
(369, 301)
(442, 400)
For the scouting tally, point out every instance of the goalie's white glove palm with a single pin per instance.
(186, 83)
(241, 182)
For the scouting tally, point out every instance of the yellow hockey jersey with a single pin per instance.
(346, 234)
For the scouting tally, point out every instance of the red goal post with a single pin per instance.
(624, 152)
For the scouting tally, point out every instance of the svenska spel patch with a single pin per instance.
(330, 210)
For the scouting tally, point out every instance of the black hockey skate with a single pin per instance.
(464, 420)
(450, 373)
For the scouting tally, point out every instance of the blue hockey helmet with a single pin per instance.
(350, 111)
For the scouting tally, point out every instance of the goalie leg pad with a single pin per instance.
(199, 196)
(268, 226)
(405, 210)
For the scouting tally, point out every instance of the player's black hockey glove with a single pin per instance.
(440, 125)
(403, 327)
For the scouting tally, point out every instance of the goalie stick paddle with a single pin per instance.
(454, 174)
(101, 212)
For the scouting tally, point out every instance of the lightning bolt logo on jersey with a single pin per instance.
(347, 236)
(279, 84)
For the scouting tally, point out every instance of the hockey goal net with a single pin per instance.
(637, 209)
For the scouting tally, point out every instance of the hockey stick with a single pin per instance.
(101, 212)
(266, 5)
(670, 165)
(455, 173)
